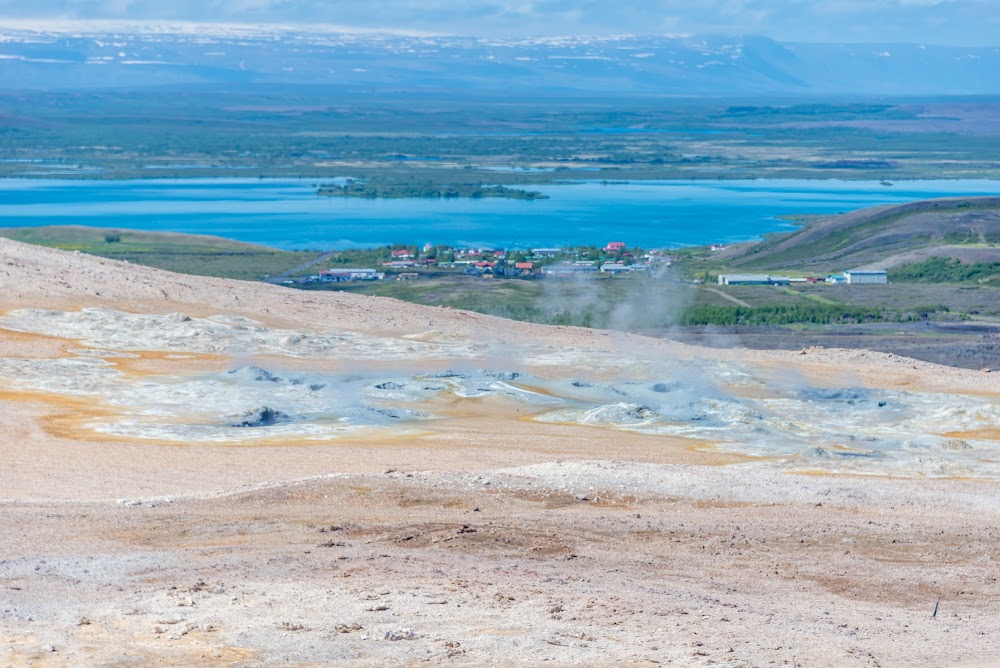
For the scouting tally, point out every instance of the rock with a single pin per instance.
(170, 621)
(48, 648)
(501, 375)
(348, 628)
(333, 543)
(258, 417)
(400, 634)
(582, 497)
(621, 413)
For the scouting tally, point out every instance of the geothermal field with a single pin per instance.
(208, 472)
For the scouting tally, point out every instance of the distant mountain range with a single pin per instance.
(677, 65)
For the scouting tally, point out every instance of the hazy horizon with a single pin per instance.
(933, 22)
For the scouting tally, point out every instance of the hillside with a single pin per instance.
(211, 472)
(197, 254)
(966, 229)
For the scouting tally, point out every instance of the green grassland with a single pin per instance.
(637, 304)
(315, 133)
(603, 302)
(946, 270)
(183, 253)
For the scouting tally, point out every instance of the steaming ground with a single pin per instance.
(205, 472)
(792, 425)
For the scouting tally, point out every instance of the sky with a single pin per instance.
(958, 22)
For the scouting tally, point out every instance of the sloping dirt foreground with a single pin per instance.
(451, 489)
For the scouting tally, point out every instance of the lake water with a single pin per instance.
(288, 214)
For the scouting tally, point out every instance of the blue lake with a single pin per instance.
(288, 214)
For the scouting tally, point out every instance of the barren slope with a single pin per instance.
(450, 488)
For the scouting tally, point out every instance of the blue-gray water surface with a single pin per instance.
(288, 214)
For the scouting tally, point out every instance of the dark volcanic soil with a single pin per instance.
(963, 345)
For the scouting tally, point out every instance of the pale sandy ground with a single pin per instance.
(482, 539)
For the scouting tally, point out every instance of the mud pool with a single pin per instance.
(409, 386)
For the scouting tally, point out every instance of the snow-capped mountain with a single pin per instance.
(82, 56)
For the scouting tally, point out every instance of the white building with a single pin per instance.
(866, 276)
(615, 268)
(339, 275)
(744, 279)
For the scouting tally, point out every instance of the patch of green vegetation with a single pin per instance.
(819, 110)
(304, 131)
(183, 253)
(961, 237)
(383, 190)
(813, 314)
(945, 270)
(786, 315)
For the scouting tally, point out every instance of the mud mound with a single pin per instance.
(258, 417)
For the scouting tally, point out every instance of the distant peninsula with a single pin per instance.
(372, 190)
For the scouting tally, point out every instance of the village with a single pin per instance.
(407, 263)
(404, 263)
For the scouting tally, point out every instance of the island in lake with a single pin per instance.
(376, 190)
